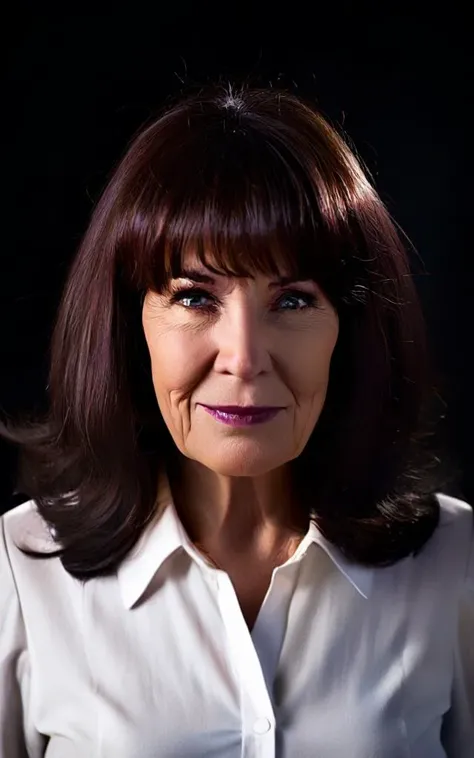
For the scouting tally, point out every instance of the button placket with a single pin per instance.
(257, 710)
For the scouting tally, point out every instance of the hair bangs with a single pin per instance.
(248, 210)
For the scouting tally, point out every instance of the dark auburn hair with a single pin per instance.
(255, 181)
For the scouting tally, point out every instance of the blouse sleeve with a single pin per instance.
(458, 726)
(18, 739)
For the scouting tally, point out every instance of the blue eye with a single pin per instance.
(193, 298)
(196, 298)
(297, 301)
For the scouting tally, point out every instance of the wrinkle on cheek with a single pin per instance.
(184, 417)
(173, 350)
(303, 432)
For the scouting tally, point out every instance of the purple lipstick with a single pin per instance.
(242, 415)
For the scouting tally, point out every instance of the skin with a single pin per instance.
(240, 342)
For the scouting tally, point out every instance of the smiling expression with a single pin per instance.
(217, 341)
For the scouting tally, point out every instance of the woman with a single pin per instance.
(255, 557)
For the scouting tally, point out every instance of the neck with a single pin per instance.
(230, 516)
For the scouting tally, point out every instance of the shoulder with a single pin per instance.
(41, 588)
(453, 509)
(456, 529)
(24, 525)
(456, 533)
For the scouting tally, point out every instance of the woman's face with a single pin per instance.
(218, 341)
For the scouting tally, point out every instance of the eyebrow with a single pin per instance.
(195, 275)
(199, 276)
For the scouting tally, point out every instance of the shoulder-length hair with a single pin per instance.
(254, 180)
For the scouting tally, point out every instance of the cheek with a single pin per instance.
(311, 360)
(177, 359)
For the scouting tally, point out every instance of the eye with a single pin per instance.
(295, 300)
(194, 298)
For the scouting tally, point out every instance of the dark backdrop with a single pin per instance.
(76, 88)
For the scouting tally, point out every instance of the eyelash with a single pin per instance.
(180, 294)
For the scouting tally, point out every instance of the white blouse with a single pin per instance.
(157, 661)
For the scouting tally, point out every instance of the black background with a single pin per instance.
(76, 87)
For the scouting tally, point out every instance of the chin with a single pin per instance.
(250, 462)
(241, 469)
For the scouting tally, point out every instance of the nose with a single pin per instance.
(242, 343)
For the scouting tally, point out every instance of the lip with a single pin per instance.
(243, 410)
(242, 415)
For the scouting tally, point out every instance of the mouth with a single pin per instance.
(242, 415)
